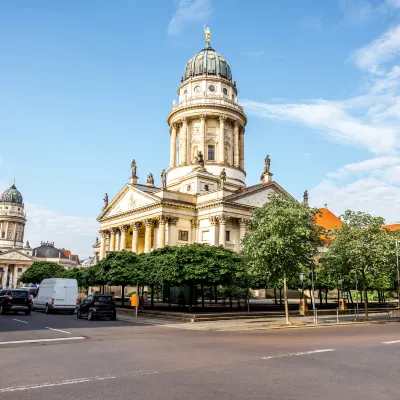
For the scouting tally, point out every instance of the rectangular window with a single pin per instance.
(211, 153)
(183, 235)
(228, 236)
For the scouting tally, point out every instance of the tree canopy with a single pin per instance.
(40, 270)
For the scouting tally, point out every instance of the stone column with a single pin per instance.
(214, 231)
(135, 236)
(236, 144)
(242, 229)
(172, 233)
(184, 140)
(117, 239)
(203, 139)
(122, 240)
(221, 139)
(195, 230)
(172, 150)
(15, 276)
(222, 229)
(7, 226)
(112, 239)
(102, 244)
(241, 149)
(162, 220)
(147, 236)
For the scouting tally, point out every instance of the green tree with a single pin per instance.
(121, 269)
(360, 246)
(40, 270)
(280, 239)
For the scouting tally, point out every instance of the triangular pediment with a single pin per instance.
(257, 195)
(15, 255)
(128, 199)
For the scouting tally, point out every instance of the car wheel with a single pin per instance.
(27, 312)
(90, 315)
(78, 314)
(33, 308)
(47, 309)
(114, 317)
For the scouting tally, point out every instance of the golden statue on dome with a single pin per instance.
(208, 34)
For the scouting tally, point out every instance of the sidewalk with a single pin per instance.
(262, 323)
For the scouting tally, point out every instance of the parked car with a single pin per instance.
(97, 305)
(56, 294)
(15, 300)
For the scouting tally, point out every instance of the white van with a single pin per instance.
(56, 294)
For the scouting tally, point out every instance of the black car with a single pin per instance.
(15, 300)
(97, 305)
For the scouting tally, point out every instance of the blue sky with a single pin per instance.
(85, 86)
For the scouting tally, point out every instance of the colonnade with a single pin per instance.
(114, 238)
(9, 230)
(10, 274)
(182, 128)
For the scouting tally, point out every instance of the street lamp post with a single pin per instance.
(398, 271)
(355, 277)
(302, 279)
(312, 291)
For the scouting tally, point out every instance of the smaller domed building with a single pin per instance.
(15, 257)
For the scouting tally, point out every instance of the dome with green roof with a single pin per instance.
(207, 62)
(12, 195)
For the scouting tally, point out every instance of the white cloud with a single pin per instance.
(331, 119)
(372, 186)
(189, 11)
(70, 232)
(381, 50)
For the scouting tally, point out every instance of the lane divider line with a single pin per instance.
(392, 342)
(75, 381)
(44, 340)
(19, 320)
(302, 353)
(58, 330)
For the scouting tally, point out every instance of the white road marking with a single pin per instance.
(74, 381)
(392, 342)
(19, 320)
(302, 353)
(43, 340)
(57, 330)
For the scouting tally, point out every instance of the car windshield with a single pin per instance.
(103, 299)
(19, 293)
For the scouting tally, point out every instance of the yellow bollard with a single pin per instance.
(342, 304)
(134, 300)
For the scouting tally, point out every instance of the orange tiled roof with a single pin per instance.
(392, 227)
(329, 221)
(67, 253)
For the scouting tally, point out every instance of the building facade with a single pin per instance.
(15, 258)
(203, 197)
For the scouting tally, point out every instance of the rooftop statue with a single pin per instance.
(133, 166)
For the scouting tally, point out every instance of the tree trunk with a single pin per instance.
(230, 303)
(326, 295)
(215, 294)
(361, 296)
(169, 295)
(123, 295)
(379, 296)
(351, 298)
(286, 301)
(338, 296)
(202, 296)
(238, 303)
(280, 296)
(320, 295)
(276, 302)
(152, 297)
(365, 296)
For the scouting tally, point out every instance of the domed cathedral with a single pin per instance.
(15, 258)
(203, 197)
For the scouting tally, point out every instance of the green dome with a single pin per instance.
(12, 195)
(207, 62)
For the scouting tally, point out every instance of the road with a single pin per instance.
(124, 360)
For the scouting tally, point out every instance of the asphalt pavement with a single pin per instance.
(121, 359)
